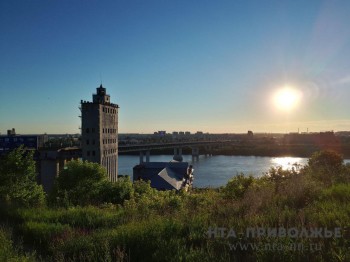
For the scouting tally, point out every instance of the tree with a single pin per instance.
(326, 166)
(80, 183)
(18, 179)
(237, 186)
(86, 183)
(117, 192)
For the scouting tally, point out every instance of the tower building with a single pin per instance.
(99, 132)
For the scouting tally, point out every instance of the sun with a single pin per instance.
(287, 98)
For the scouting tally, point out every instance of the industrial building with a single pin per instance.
(163, 175)
(51, 162)
(12, 140)
(99, 132)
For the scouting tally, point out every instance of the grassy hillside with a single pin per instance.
(283, 216)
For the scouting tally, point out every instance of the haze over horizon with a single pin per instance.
(211, 66)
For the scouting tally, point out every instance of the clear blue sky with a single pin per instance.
(173, 65)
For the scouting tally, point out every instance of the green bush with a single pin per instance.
(326, 167)
(81, 183)
(237, 186)
(85, 183)
(143, 187)
(117, 192)
(18, 179)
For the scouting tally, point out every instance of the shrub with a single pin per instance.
(237, 186)
(325, 166)
(80, 183)
(143, 187)
(18, 179)
(118, 191)
(298, 191)
(85, 183)
(338, 192)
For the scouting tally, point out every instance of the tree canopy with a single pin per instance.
(327, 166)
(18, 179)
(85, 183)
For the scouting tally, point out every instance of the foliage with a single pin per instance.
(326, 166)
(149, 225)
(18, 179)
(142, 187)
(237, 186)
(86, 183)
(117, 192)
(80, 183)
(7, 250)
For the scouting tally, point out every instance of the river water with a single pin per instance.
(215, 171)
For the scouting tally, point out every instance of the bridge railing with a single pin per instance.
(134, 148)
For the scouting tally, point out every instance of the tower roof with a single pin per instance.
(101, 90)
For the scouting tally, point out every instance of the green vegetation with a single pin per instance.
(8, 252)
(90, 219)
(83, 183)
(18, 179)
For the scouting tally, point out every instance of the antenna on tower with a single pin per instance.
(101, 79)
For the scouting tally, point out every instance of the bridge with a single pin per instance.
(52, 160)
(145, 149)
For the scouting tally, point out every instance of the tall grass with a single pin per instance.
(173, 226)
(8, 251)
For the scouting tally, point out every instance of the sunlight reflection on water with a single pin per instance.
(215, 171)
(288, 163)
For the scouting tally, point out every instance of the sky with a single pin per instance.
(211, 66)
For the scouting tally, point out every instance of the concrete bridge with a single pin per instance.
(145, 149)
(51, 161)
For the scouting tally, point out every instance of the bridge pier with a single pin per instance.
(178, 154)
(144, 153)
(141, 157)
(147, 156)
(195, 154)
(208, 151)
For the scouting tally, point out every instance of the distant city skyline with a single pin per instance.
(211, 66)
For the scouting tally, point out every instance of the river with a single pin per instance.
(215, 171)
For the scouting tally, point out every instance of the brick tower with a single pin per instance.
(99, 132)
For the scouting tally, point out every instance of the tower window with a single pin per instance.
(88, 153)
(87, 141)
(93, 153)
(87, 130)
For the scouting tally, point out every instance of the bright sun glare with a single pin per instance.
(287, 98)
